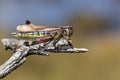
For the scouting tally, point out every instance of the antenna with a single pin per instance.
(75, 26)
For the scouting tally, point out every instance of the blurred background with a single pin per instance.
(96, 27)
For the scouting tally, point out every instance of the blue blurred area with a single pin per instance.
(55, 12)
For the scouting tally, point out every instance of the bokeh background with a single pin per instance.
(96, 27)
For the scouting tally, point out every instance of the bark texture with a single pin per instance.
(20, 53)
